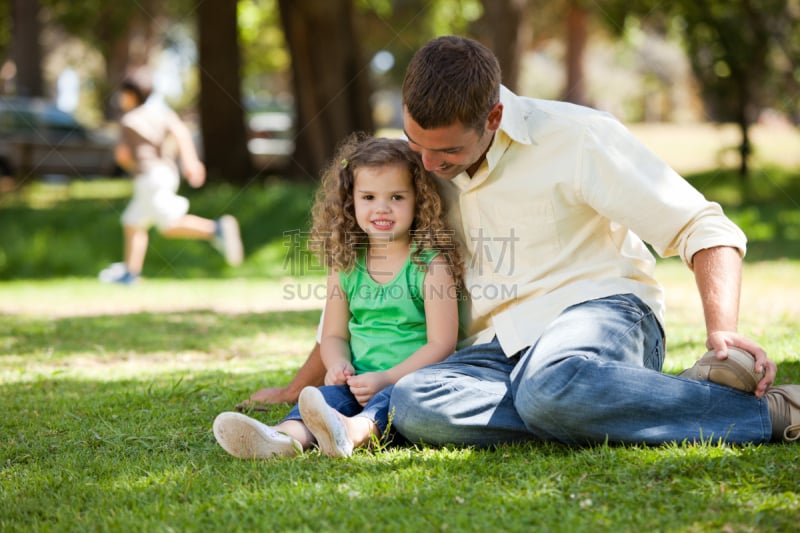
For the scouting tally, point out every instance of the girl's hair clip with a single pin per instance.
(344, 163)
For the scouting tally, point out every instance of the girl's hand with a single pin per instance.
(365, 386)
(338, 375)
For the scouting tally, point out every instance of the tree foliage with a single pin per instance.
(265, 56)
(124, 33)
(321, 50)
(5, 29)
(743, 53)
(504, 28)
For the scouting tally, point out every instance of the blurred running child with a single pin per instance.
(146, 150)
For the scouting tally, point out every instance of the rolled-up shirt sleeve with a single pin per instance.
(709, 229)
(627, 183)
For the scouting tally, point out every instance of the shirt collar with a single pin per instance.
(514, 118)
(513, 127)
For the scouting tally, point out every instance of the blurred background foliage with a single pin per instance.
(73, 230)
(335, 67)
(338, 64)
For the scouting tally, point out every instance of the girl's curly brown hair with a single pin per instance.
(336, 236)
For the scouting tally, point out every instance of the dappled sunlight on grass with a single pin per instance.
(88, 297)
(143, 345)
(147, 366)
(133, 444)
(769, 312)
(44, 195)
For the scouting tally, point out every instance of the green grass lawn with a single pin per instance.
(73, 230)
(108, 394)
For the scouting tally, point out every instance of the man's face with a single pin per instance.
(450, 150)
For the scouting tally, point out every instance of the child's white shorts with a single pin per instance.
(155, 202)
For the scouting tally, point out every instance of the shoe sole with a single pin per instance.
(231, 240)
(117, 273)
(112, 272)
(245, 438)
(324, 423)
(737, 371)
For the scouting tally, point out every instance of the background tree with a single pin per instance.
(26, 48)
(221, 110)
(129, 34)
(745, 54)
(265, 59)
(400, 27)
(784, 85)
(125, 33)
(330, 79)
(5, 34)
(729, 43)
(569, 22)
(576, 37)
(504, 28)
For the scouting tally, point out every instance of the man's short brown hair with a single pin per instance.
(452, 79)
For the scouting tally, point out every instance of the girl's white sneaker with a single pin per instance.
(325, 423)
(247, 438)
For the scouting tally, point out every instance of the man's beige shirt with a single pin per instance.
(557, 215)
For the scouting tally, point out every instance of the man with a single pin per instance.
(552, 203)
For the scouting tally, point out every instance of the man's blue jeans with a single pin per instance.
(593, 376)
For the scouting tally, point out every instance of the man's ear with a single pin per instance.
(495, 116)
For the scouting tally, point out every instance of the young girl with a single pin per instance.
(391, 308)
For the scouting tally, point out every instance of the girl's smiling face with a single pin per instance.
(384, 201)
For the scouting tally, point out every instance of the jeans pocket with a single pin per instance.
(645, 321)
(654, 358)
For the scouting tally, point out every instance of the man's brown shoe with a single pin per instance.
(784, 410)
(737, 371)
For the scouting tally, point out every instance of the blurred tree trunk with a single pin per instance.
(505, 30)
(330, 79)
(221, 110)
(576, 38)
(125, 47)
(26, 48)
(124, 33)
